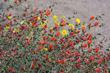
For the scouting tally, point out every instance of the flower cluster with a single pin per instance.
(34, 46)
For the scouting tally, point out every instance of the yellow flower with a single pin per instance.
(64, 32)
(45, 49)
(22, 22)
(9, 17)
(71, 26)
(7, 27)
(42, 25)
(38, 18)
(63, 17)
(55, 18)
(16, 30)
(78, 20)
(57, 23)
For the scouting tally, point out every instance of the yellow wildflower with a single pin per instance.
(45, 49)
(16, 30)
(71, 26)
(9, 17)
(57, 23)
(78, 20)
(38, 18)
(64, 32)
(55, 18)
(63, 17)
(42, 25)
(7, 26)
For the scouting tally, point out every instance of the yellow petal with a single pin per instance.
(38, 18)
(9, 17)
(64, 32)
(55, 18)
(45, 49)
(78, 20)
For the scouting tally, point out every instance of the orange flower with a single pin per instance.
(83, 27)
(92, 17)
(48, 12)
(61, 61)
(50, 46)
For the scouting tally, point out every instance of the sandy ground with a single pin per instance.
(69, 8)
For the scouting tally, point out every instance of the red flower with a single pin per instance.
(71, 59)
(86, 61)
(96, 23)
(48, 12)
(77, 40)
(50, 46)
(92, 17)
(0, 28)
(89, 37)
(68, 52)
(45, 37)
(76, 53)
(57, 34)
(32, 65)
(34, 24)
(89, 50)
(98, 70)
(84, 45)
(61, 61)
(53, 39)
(42, 42)
(89, 41)
(83, 38)
(5, 0)
(28, 41)
(100, 60)
(78, 65)
(62, 71)
(11, 69)
(45, 27)
(71, 44)
(72, 34)
(78, 60)
(23, 27)
(46, 56)
(92, 58)
(39, 65)
(97, 50)
(63, 22)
